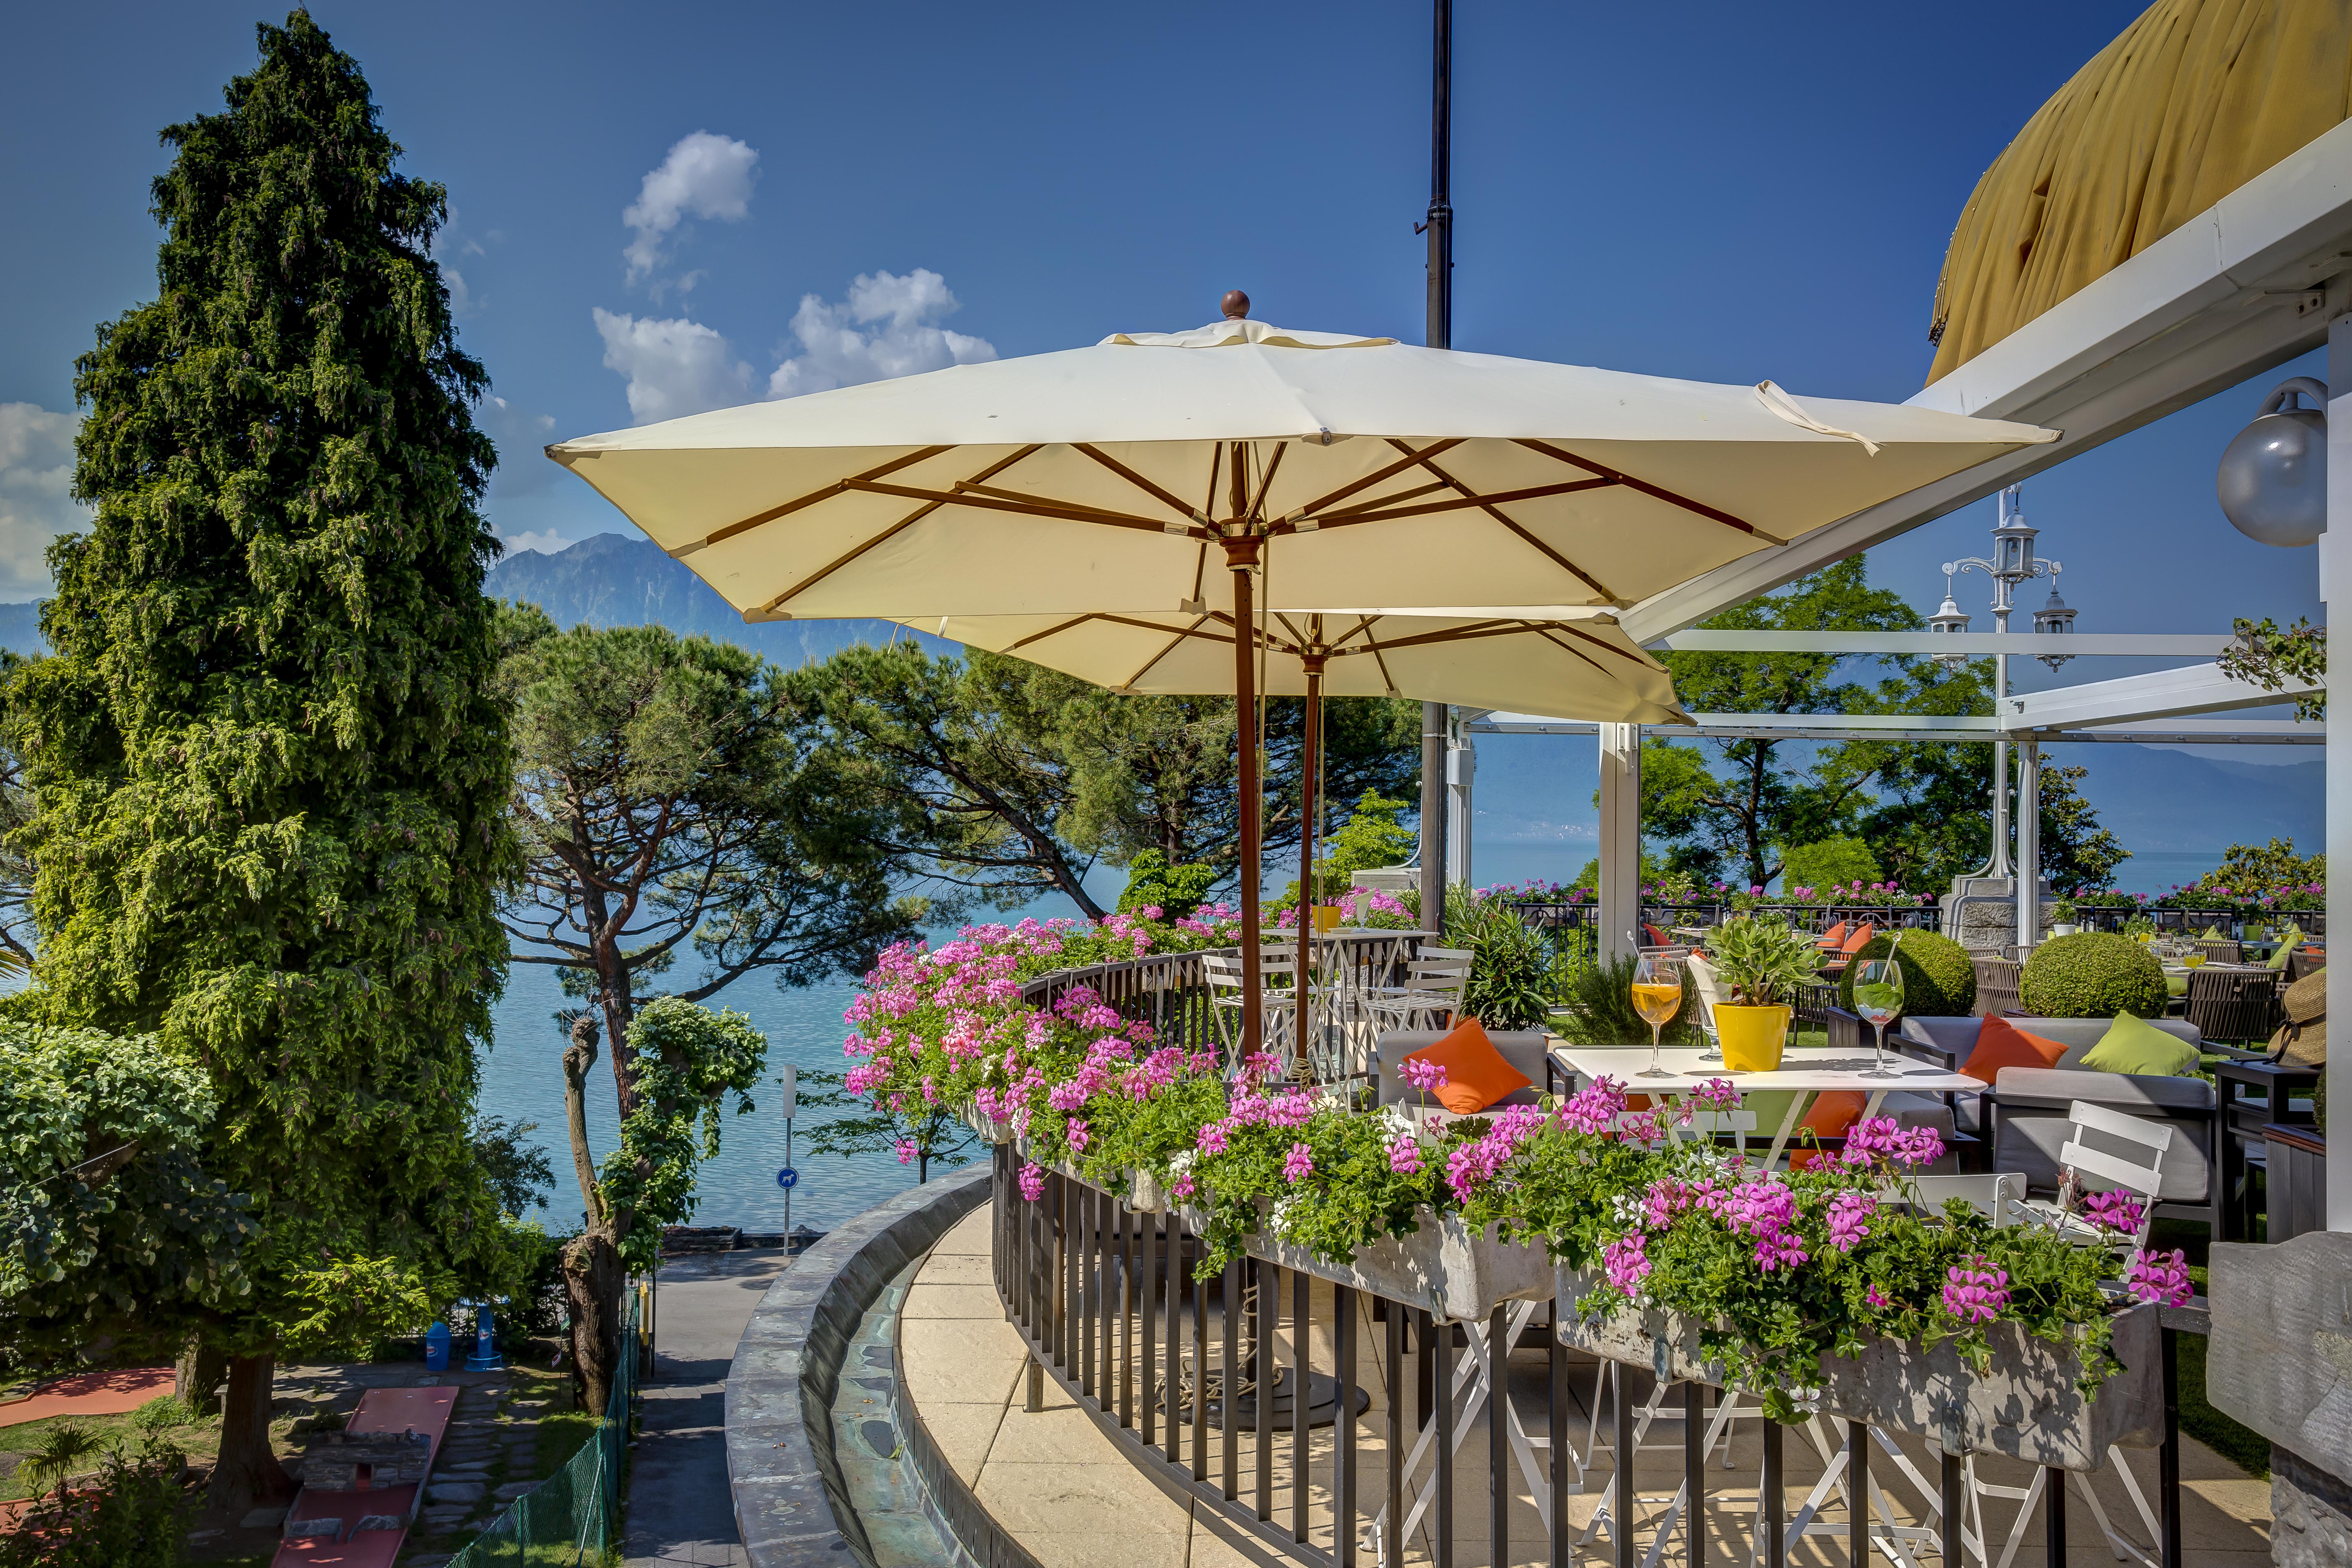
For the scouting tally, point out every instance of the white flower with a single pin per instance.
(1179, 1163)
(1278, 1218)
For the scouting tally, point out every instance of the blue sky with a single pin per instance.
(1728, 192)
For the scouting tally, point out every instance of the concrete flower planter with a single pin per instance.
(2025, 1406)
(1445, 1269)
(990, 1128)
(1145, 1192)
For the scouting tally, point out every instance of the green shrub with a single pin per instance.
(2095, 974)
(1178, 890)
(131, 1519)
(1511, 977)
(1939, 980)
(1597, 1009)
(1832, 863)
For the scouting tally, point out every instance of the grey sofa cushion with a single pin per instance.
(1523, 1048)
(2077, 1035)
(2032, 1137)
(2133, 1094)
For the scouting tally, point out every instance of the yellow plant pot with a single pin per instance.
(1752, 1036)
(1326, 916)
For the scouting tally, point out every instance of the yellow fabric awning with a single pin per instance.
(2195, 98)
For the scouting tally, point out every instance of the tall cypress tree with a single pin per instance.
(270, 775)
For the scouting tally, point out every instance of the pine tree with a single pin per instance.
(269, 768)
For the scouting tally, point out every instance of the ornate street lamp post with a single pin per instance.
(2012, 562)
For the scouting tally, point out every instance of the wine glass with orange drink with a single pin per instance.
(1657, 997)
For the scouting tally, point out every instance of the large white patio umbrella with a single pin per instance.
(1561, 663)
(1360, 471)
(1349, 470)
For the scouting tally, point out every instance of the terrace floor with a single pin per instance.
(1062, 1488)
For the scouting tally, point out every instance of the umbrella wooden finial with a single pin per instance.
(1236, 306)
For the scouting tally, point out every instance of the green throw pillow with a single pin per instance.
(2213, 934)
(2138, 1046)
(2278, 960)
(2176, 985)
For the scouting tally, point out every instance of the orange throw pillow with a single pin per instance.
(1831, 1112)
(1476, 1076)
(1856, 937)
(2002, 1044)
(1834, 935)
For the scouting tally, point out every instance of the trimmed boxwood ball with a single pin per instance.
(1939, 979)
(2095, 974)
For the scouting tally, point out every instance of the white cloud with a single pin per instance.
(546, 542)
(888, 327)
(520, 436)
(675, 367)
(35, 472)
(704, 176)
(449, 247)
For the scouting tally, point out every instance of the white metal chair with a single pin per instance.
(1278, 1004)
(2113, 1163)
(1429, 998)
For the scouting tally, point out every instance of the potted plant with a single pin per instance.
(2062, 916)
(1757, 963)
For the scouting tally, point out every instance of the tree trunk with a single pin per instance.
(247, 1473)
(592, 1282)
(198, 1373)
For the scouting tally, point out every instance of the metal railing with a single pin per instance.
(2233, 921)
(1556, 914)
(573, 1517)
(1171, 991)
(1200, 1382)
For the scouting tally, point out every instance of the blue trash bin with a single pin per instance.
(436, 1348)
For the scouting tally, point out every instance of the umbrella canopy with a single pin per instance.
(1565, 664)
(1356, 470)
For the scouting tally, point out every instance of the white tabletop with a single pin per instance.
(1815, 1067)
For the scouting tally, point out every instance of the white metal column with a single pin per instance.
(2029, 843)
(1620, 838)
(2335, 588)
(1461, 772)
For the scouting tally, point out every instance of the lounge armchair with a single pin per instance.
(2025, 1113)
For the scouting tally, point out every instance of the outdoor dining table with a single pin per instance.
(1810, 1070)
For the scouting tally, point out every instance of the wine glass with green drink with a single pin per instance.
(1878, 998)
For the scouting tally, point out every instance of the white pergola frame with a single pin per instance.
(2263, 276)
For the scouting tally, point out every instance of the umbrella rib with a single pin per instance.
(966, 486)
(1216, 456)
(1333, 518)
(1265, 483)
(986, 502)
(1657, 492)
(1399, 465)
(1224, 619)
(1466, 498)
(908, 521)
(834, 488)
(1172, 644)
(1372, 647)
(1545, 632)
(1146, 486)
(1597, 642)
(1048, 632)
(1554, 556)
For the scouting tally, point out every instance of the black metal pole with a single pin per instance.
(1438, 334)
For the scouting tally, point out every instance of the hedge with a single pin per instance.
(1939, 979)
(2095, 974)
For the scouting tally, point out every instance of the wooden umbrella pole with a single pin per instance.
(1241, 556)
(1307, 792)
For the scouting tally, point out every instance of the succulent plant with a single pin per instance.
(1758, 959)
